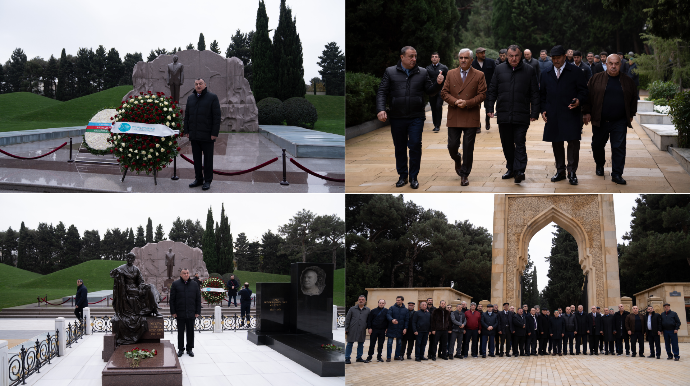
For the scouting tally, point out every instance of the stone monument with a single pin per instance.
(224, 77)
(175, 78)
(160, 263)
(296, 318)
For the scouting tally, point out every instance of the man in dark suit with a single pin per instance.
(544, 330)
(600, 66)
(557, 330)
(619, 331)
(202, 125)
(636, 327)
(563, 90)
(185, 306)
(577, 61)
(487, 67)
(505, 330)
(409, 337)
(81, 300)
(654, 330)
(532, 332)
(435, 101)
(520, 328)
(595, 330)
(581, 331)
(489, 321)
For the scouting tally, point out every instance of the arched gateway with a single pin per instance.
(589, 218)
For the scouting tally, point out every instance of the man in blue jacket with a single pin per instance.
(398, 317)
(421, 324)
(670, 323)
(377, 323)
(80, 301)
(489, 321)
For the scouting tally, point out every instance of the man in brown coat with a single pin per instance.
(611, 105)
(464, 91)
(636, 327)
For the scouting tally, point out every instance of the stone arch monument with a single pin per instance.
(589, 218)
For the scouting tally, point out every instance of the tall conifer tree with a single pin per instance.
(263, 64)
(208, 244)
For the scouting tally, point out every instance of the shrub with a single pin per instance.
(360, 98)
(680, 116)
(226, 277)
(298, 111)
(215, 275)
(662, 90)
(270, 112)
(659, 102)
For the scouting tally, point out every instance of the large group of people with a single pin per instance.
(456, 334)
(560, 87)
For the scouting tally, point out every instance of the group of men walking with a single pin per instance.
(516, 89)
(462, 332)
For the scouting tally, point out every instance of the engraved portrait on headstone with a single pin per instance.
(313, 281)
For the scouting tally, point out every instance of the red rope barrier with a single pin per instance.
(98, 301)
(235, 173)
(314, 174)
(45, 301)
(37, 157)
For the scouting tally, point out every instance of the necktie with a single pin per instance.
(558, 73)
(464, 75)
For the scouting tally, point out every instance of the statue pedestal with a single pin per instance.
(163, 369)
(153, 335)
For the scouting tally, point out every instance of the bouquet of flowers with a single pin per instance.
(145, 153)
(213, 297)
(331, 347)
(135, 355)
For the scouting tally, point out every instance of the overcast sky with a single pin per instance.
(45, 27)
(478, 209)
(252, 214)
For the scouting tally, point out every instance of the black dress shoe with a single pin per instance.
(433, 359)
(509, 174)
(425, 358)
(483, 356)
(519, 176)
(414, 184)
(190, 353)
(572, 178)
(417, 360)
(464, 181)
(479, 130)
(181, 352)
(436, 129)
(600, 171)
(677, 359)
(361, 360)
(558, 177)
(618, 179)
(206, 186)
(195, 183)
(347, 361)
(379, 359)
(401, 182)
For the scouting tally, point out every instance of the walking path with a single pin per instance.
(370, 165)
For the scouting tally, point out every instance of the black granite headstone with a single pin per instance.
(272, 307)
(312, 291)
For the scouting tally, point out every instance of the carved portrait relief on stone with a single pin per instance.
(313, 281)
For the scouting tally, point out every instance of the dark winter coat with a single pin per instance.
(619, 322)
(556, 327)
(544, 65)
(487, 68)
(81, 299)
(231, 291)
(401, 314)
(356, 323)
(489, 321)
(581, 321)
(607, 325)
(597, 88)
(670, 321)
(544, 325)
(458, 319)
(185, 299)
(245, 296)
(409, 334)
(505, 322)
(520, 325)
(586, 69)
(530, 324)
(630, 323)
(656, 322)
(594, 325)
(440, 320)
(562, 123)
(433, 72)
(535, 64)
(515, 92)
(570, 322)
(377, 319)
(421, 321)
(202, 116)
(597, 68)
(405, 94)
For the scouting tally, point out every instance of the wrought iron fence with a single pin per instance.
(202, 323)
(75, 331)
(341, 320)
(30, 360)
(235, 322)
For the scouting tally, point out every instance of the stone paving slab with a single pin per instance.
(15, 137)
(542, 370)
(305, 143)
(370, 165)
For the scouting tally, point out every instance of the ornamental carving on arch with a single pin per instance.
(583, 208)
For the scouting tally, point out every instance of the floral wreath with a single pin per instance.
(213, 297)
(145, 153)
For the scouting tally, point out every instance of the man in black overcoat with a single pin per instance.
(581, 335)
(435, 101)
(202, 125)
(505, 330)
(544, 330)
(619, 332)
(595, 330)
(520, 328)
(185, 306)
(487, 66)
(563, 90)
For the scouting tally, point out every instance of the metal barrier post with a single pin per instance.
(284, 181)
(175, 177)
(70, 150)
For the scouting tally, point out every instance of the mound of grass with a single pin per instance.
(339, 287)
(331, 110)
(95, 274)
(14, 276)
(18, 103)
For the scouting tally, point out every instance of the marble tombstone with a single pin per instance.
(224, 77)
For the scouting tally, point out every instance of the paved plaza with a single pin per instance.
(227, 358)
(370, 164)
(541, 370)
(233, 152)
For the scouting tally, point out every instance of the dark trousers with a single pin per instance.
(456, 337)
(594, 343)
(376, 336)
(472, 335)
(506, 338)
(671, 343)
(422, 338)
(620, 337)
(581, 340)
(407, 133)
(185, 324)
(654, 341)
(543, 342)
(513, 139)
(600, 135)
(436, 104)
(491, 339)
(244, 311)
(465, 161)
(442, 341)
(573, 155)
(233, 298)
(568, 340)
(531, 343)
(407, 345)
(609, 347)
(398, 347)
(637, 338)
(79, 312)
(203, 150)
(557, 343)
(518, 344)
(432, 345)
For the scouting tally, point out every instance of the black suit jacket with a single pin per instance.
(520, 325)
(488, 69)
(505, 322)
(531, 327)
(594, 326)
(563, 124)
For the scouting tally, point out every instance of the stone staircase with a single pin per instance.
(657, 126)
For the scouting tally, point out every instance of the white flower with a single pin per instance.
(165, 109)
(174, 115)
(139, 97)
(137, 157)
(169, 117)
(149, 156)
(174, 124)
(130, 150)
(166, 103)
(167, 124)
(158, 145)
(143, 152)
(136, 103)
(662, 109)
(156, 154)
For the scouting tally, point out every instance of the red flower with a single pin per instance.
(141, 93)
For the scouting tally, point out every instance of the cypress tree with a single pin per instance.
(49, 76)
(128, 67)
(263, 68)
(140, 239)
(149, 231)
(190, 46)
(83, 72)
(9, 246)
(15, 72)
(127, 242)
(287, 56)
(565, 274)
(91, 246)
(225, 253)
(240, 48)
(160, 235)
(214, 47)
(113, 69)
(332, 70)
(71, 247)
(208, 244)
(201, 46)
(98, 68)
(2, 79)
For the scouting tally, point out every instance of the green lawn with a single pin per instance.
(37, 112)
(331, 110)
